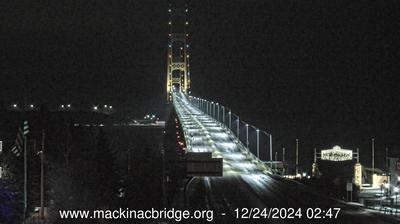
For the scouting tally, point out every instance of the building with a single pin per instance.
(394, 169)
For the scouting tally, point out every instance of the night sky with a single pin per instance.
(322, 71)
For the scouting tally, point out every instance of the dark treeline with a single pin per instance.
(85, 168)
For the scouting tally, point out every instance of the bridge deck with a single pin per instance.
(205, 134)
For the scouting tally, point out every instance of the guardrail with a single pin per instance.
(258, 142)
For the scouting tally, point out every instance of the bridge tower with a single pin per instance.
(178, 74)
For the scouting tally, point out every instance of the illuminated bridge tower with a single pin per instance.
(178, 75)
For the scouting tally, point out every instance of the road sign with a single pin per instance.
(336, 154)
(202, 164)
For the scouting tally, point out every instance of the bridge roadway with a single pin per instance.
(246, 181)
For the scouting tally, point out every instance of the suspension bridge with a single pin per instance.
(249, 178)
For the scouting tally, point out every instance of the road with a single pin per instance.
(247, 182)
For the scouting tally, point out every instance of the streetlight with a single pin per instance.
(95, 108)
(62, 106)
(223, 114)
(110, 107)
(212, 109)
(238, 128)
(396, 191)
(15, 105)
(230, 119)
(247, 135)
(258, 143)
(218, 112)
(69, 105)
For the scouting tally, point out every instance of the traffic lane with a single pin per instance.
(283, 193)
(230, 193)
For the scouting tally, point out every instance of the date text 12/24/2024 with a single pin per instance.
(287, 213)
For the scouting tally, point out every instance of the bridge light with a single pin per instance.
(169, 23)
(69, 105)
(169, 10)
(15, 105)
(169, 45)
(187, 45)
(186, 23)
(31, 106)
(186, 10)
(110, 107)
(62, 106)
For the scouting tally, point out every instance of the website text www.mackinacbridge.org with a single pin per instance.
(130, 214)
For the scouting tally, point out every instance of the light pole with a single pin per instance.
(223, 114)
(247, 135)
(214, 105)
(218, 112)
(212, 109)
(283, 159)
(270, 146)
(258, 143)
(230, 119)
(238, 128)
(297, 156)
(373, 155)
(386, 158)
(42, 177)
(396, 191)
